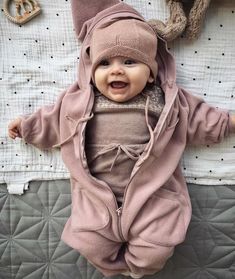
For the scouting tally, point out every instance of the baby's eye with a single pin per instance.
(104, 63)
(130, 62)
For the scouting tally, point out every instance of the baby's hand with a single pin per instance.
(14, 128)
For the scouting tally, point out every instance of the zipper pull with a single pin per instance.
(119, 211)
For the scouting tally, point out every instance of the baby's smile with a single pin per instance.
(118, 84)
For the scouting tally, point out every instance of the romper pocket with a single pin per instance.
(88, 212)
(161, 220)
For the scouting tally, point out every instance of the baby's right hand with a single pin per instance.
(14, 128)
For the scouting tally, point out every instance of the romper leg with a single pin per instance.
(105, 254)
(145, 258)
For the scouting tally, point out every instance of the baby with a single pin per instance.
(122, 129)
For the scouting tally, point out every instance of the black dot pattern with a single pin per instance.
(205, 67)
(40, 62)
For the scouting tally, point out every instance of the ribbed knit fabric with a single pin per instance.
(128, 38)
(196, 17)
(178, 22)
(174, 26)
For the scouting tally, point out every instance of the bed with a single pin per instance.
(38, 63)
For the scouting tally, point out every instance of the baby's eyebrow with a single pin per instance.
(130, 59)
(103, 61)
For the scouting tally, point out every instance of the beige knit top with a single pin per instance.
(117, 135)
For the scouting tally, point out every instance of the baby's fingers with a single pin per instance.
(13, 128)
(12, 134)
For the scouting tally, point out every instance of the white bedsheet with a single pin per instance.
(39, 59)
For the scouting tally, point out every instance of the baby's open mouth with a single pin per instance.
(118, 84)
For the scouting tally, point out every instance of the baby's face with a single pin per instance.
(120, 79)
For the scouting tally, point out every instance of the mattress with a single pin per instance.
(40, 60)
(31, 226)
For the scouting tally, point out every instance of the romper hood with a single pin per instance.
(91, 16)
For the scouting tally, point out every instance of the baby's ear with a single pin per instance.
(150, 79)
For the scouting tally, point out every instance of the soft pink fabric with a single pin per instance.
(156, 209)
(84, 10)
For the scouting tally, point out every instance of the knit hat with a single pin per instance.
(128, 38)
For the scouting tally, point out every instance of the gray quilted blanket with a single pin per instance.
(31, 225)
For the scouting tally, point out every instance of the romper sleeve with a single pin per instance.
(206, 124)
(42, 128)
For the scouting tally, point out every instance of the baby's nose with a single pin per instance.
(117, 69)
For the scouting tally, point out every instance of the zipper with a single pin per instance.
(119, 209)
(119, 213)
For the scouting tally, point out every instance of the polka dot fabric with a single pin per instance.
(206, 68)
(39, 60)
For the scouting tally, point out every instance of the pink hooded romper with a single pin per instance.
(141, 235)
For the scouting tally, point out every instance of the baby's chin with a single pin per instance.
(120, 97)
